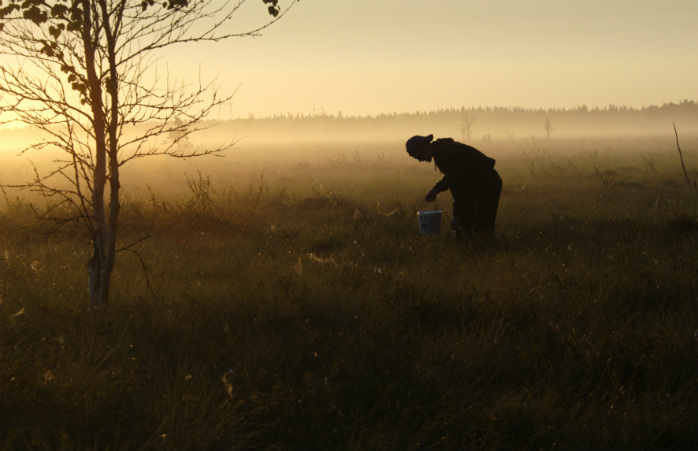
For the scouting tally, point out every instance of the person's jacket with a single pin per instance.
(464, 168)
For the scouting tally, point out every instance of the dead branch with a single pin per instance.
(685, 174)
(606, 181)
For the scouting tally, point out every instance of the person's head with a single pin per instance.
(419, 147)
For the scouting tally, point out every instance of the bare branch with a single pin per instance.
(681, 157)
(143, 267)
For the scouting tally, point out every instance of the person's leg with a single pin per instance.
(488, 204)
(464, 209)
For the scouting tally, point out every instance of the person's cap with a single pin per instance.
(416, 142)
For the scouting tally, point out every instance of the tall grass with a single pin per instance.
(297, 307)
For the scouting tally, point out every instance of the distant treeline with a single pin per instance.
(683, 106)
(485, 123)
(489, 123)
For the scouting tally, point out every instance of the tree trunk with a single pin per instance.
(113, 150)
(99, 271)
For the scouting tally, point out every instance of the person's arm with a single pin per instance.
(442, 185)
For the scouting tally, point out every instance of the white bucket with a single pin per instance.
(429, 221)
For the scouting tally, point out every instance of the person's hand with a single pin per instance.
(455, 223)
(431, 196)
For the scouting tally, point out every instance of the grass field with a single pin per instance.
(289, 302)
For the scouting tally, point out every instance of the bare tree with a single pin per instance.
(81, 71)
(179, 136)
(466, 129)
(548, 127)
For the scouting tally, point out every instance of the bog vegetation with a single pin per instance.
(283, 299)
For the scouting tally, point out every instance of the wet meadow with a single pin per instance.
(282, 298)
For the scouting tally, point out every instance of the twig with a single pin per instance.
(148, 286)
(609, 183)
(681, 157)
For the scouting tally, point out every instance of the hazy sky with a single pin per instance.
(375, 56)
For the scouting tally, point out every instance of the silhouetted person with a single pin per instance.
(470, 176)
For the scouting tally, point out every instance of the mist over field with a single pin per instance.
(266, 143)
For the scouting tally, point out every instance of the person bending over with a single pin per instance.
(471, 177)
